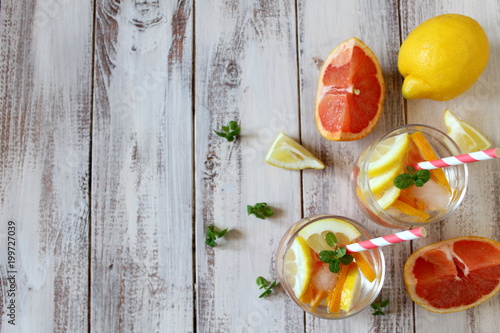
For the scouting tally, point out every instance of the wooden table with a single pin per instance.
(110, 169)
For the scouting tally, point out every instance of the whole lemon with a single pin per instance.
(443, 57)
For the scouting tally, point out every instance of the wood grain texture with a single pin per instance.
(142, 183)
(478, 213)
(245, 71)
(44, 173)
(111, 170)
(330, 190)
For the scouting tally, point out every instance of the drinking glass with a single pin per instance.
(368, 290)
(390, 217)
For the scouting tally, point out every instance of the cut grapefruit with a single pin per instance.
(454, 275)
(350, 94)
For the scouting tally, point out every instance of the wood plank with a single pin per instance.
(322, 26)
(44, 169)
(478, 213)
(246, 70)
(142, 183)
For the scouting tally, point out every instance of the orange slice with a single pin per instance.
(335, 296)
(428, 154)
(454, 275)
(364, 266)
(409, 210)
(350, 94)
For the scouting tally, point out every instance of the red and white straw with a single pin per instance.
(398, 237)
(476, 156)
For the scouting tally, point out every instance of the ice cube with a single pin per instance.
(434, 195)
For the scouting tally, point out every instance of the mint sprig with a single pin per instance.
(261, 210)
(264, 284)
(377, 306)
(412, 177)
(230, 131)
(212, 234)
(334, 258)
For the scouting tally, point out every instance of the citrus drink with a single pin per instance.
(310, 282)
(377, 167)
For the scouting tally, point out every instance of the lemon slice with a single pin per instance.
(351, 290)
(298, 266)
(467, 137)
(315, 233)
(287, 153)
(388, 152)
(388, 197)
(381, 182)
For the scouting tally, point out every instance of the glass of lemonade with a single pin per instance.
(379, 164)
(310, 282)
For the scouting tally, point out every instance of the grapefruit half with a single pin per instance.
(454, 275)
(351, 92)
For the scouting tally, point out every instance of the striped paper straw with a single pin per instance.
(476, 156)
(387, 240)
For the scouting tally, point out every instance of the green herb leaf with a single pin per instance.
(265, 293)
(327, 256)
(264, 284)
(331, 239)
(403, 181)
(230, 131)
(211, 242)
(336, 256)
(377, 306)
(340, 252)
(260, 210)
(346, 260)
(334, 266)
(423, 175)
(213, 234)
(221, 233)
(410, 169)
(418, 178)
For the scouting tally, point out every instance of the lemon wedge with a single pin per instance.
(467, 137)
(381, 182)
(315, 233)
(298, 266)
(388, 197)
(388, 152)
(287, 153)
(351, 290)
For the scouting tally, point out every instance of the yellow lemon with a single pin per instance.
(467, 137)
(315, 233)
(387, 153)
(298, 266)
(287, 153)
(443, 57)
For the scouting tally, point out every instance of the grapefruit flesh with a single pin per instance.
(351, 92)
(455, 274)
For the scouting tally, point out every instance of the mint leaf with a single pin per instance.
(334, 266)
(403, 181)
(331, 239)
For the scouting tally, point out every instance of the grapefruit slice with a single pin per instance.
(351, 92)
(454, 275)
